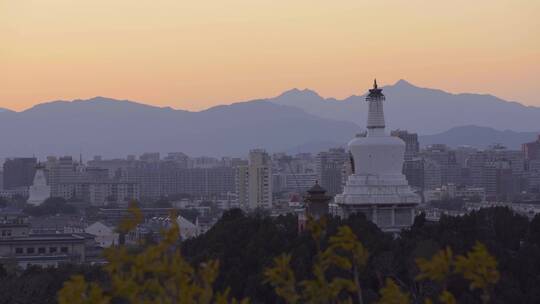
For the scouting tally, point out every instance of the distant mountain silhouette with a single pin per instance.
(474, 136)
(479, 137)
(103, 126)
(295, 121)
(425, 111)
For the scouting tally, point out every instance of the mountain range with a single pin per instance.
(295, 121)
(480, 137)
(421, 110)
(113, 128)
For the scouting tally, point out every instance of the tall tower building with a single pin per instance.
(330, 169)
(242, 185)
(260, 179)
(61, 172)
(19, 172)
(254, 181)
(378, 187)
(412, 146)
(532, 149)
(446, 158)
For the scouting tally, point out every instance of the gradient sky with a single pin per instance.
(195, 54)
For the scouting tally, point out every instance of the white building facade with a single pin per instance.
(39, 191)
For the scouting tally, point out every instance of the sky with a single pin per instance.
(196, 54)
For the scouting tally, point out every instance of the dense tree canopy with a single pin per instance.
(37, 285)
(247, 245)
(51, 206)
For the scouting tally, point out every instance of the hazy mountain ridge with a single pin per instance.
(479, 137)
(421, 110)
(474, 136)
(116, 128)
(295, 121)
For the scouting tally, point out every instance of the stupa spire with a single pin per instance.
(375, 99)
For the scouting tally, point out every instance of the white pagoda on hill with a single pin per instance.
(39, 191)
(377, 186)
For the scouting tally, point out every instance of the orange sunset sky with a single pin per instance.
(195, 54)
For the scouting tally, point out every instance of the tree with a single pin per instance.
(247, 246)
(344, 252)
(51, 206)
(157, 274)
(40, 285)
(163, 203)
(534, 231)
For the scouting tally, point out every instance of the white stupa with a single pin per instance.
(378, 187)
(39, 191)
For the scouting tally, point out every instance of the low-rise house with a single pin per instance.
(19, 244)
(105, 236)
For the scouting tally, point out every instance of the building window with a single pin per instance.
(41, 250)
(52, 249)
(63, 249)
(30, 250)
(18, 250)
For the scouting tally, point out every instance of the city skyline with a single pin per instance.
(193, 56)
(269, 151)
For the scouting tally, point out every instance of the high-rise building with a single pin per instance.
(515, 158)
(532, 149)
(476, 163)
(205, 182)
(170, 176)
(414, 172)
(432, 174)
(242, 185)
(330, 169)
(293, 182)
(446, 158)
(378, 187)
(61, 171)
(254, 181)
(259, 180)
(499, 173)
(178, 157)
(204, 162)
(463, 153)
(412, 147)
(532, 176)
(150, 157)
(19, 172)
